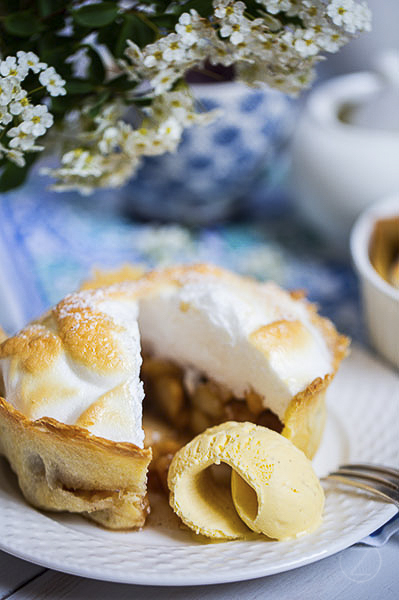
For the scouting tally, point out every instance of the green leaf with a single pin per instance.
(203, 7)
(137, 30)
(22, 24)
(108, 35)
(167, 21)
(141, 101)
(13, 176)
(96, 69)
(54, 50)
(79, 86)
(48, 7)
(121, 84)
(60, 105)
(102, 99)
(96, 15)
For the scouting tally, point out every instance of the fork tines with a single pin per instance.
(372, 467)
(378, 479)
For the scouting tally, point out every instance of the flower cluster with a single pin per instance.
(21, 121)
(110, 153)
(165, 61)
(279, 47)
(130, 95)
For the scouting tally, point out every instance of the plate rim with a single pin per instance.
(172, 581)
(183, 578)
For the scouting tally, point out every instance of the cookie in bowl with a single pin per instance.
(214, 347)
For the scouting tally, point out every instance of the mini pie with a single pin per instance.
(209, 346)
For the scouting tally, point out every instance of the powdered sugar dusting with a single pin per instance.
(199, 316)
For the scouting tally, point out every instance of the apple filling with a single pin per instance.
(180, 403)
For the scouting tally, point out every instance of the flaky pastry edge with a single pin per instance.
(108, 484)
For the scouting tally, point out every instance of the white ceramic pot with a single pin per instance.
(380, 299)
(339, 169)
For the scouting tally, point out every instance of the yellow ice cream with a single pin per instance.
(274, 489)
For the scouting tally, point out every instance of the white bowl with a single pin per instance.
(339, 169)
(380, 299)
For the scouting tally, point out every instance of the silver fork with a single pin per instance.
(377, 479)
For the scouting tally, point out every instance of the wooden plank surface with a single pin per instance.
(358, 573)
(14, 573)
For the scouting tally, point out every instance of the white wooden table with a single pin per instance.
(360, 572)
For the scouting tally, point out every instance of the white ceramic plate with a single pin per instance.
(362, 426)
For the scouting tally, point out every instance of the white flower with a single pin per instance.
(20, 139)
(5, 90)
(108, 117)
(185, 28)
(170, 131)
(52, 82)
(226, 9)
(305, 43)
(9, 67)
(295, 7)
(175, 103)
(29, 60)
(235, 29)
(5, 116)
(311, 13)
(134, 52)
(118, 138)
(331, 40)
(352, 17)
(276, 6)
(363, 16)
(153, 56)
(118, 169)
(220, 54)
(82, 162)
(196, 54)
(132, 69)
(139, 142)
(85, 170)
(20, 103)
(173, 49)
(257, 29)
(36, 120)
(337, 10)
(16, 156)
(163, 80)
(110, 140)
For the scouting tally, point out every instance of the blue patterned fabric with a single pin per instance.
(49, 243)
(383, 534)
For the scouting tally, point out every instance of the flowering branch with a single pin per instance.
(120, 68)
(21, 121)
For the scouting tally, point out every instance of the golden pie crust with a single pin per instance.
(65, 468)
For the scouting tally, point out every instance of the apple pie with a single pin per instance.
(195, 345)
